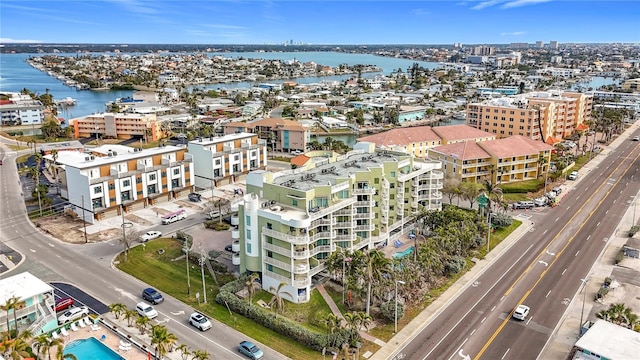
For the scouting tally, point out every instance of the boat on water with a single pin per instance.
(460, 115)
(68, 101)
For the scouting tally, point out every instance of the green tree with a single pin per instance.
(184, 351)
(377, 265)
(117, 309)
(251, 285)
(142, 322)
(161, 339)
(200, 355)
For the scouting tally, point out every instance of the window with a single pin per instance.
(247, 220)
(175, 183)
(126, 182)
(152, 177)
(294, 202)
(249, 248)
(393, 174)
(248, 234)
(97, 190)
(138, 180)
(176, 171)
(217, 161)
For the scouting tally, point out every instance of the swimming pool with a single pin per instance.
(91, 349)
(403, 254)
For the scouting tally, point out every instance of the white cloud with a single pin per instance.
(18, 41)
(486, 4)
(514, 33)
(518, 3)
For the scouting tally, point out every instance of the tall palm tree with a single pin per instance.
(162, 339)
(251, 285)
(184, 351)
(377, 265)
(143, 322)
(130, 316)
(200, 355)
(277, 301)
(12, 303)
(333, 323)
(44, 344)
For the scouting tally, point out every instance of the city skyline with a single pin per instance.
(319, 22)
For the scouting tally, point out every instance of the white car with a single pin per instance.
(199, 321)
(521, 312)
(573, 175)
(150, 235)
(146, 310)
(73, 313)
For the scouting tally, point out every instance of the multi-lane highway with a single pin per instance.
(89, 268)
(542, 270)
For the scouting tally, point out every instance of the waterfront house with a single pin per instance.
(34, 309)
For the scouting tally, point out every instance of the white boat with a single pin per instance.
(460, 115)
(68, 101)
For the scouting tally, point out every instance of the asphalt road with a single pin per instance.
(542, 270)
(88, 267)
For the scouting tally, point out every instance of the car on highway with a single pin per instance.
(521, 312)
(523, 205)
(150, 235)
(152, 295)
(145, 310)
(635, 138)
(63, 303)
(247, 348)
(573, 175)
(199, 321)
(74, 313)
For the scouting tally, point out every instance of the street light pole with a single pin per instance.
(395, 322)
(202, 260)
(489, 233)
(186, 248)
(584, 298)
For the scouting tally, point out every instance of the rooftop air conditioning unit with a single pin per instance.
(86, 158)
(115, 153)
(92, 157)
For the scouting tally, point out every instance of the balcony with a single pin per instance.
(343, 225)
(321, 235)
(365, 203)
(366, 227)
(332, 208)
(367, 191)
(278, 249)
(347, 211)
(293, 239)
(322, 249)
(301, 268)
(347, 237)
(280, 264)
(368, 215)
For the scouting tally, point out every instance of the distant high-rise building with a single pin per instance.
(482, 50)
(519, 45)
(553, 44)
(539, 44)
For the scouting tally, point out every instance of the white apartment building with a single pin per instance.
(21, 112)
(99, 186)
(290, 222)
(223, 158)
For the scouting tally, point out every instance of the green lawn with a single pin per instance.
(169, 275)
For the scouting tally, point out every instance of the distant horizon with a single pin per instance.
(317, 23)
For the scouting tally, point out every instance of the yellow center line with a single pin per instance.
(506, 320)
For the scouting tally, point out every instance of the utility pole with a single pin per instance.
(203, 258)
(489, 233)
(84, 222)
(584, 298)
(186, 248)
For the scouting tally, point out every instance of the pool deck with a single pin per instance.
(390, 249)
(112, 340)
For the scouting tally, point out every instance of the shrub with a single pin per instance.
(601, 293)
(455, 264)
(501, 220)
(607, 281)
(619, 257)
(316, 341)
(388, 310)
(634, 229)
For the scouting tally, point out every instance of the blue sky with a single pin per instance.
(318, 22)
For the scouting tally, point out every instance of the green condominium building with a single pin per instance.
(291, 221)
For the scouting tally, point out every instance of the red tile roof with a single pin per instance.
(402, 136)
(453, 133)
(582, 127)
(464, 150)
(300, 160)
(512, 146)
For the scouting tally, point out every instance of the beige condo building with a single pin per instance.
(546, 116)
(118, 125)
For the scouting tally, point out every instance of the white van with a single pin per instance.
(173, 217)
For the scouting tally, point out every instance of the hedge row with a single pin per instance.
(316, 341)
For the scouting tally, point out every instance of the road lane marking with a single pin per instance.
(479, 300)
(502, 298)
(473, 332)
(548, 294)
(543, 263)
(557, 219)
(563, 271)
(526, 295)
(528, 321)
(483, 319)
(544, 232)
(577, 253)
(588, 237)
(493, 308)
(505, 353)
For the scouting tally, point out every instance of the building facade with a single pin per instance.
(221, 159)
(290, 222)
(103, 186)
(21, 112)
(280, 134)
(118, 125)
(502, 161)
(546, 116)
(35, 307)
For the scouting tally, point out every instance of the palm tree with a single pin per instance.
(44, 344)
(117, 309)
(17, 348)
(184, 351)
(142, 322)
(160, 338)
(333, 323)
(377, 265)
(251, 285)
(130, 316)
(277, 301)
(493, 190)
(12, 303)
(200, 355)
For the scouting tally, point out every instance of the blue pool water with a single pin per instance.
(91, 349)
(403, 253)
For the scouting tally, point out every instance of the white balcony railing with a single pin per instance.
(294, 239)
